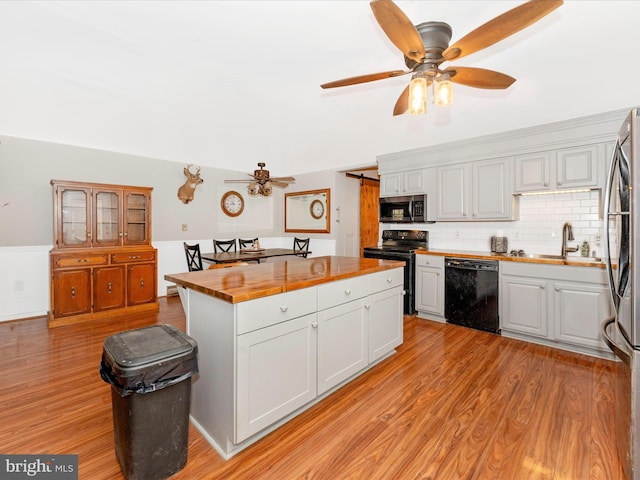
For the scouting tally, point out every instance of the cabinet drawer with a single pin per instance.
(434, 261)
(129, 257)
(80, 260)
(342, 291)
(381, 281)
(266, 311)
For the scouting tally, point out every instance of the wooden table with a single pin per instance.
(248, 255)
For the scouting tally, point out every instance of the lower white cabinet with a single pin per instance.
(430, 285)
(342, 343)
(276, 373)
(562, 305)
(263, 361)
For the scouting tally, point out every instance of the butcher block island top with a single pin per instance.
(248, 282)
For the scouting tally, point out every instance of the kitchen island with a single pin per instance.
(276, 338)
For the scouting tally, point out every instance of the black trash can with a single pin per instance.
(150, 372)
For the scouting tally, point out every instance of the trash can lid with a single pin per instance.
(135, 348)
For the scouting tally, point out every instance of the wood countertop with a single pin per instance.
(248, 282)
(571, 260)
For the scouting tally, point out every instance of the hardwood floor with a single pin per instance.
(453, 403)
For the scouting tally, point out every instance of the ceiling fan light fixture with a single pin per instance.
(252, 188)
(444, 91)
(418, 95)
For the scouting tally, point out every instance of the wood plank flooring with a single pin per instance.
(452, 404)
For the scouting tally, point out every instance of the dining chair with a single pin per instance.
(194, 260)
(301, 246)
(224, 245)
(247, 243)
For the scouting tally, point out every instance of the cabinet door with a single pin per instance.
(73, 217)
(385, 322)
(107, 217)
(141, 283)
(137, 218)
(453, 192)
(430, 290)
(390, 184)
(342, 343)
(413, 181)
(524, 305)
(577, 167)
(492, 193)
(532, 172)
(108, 288)
(276, 373)
(578, 310)
(71, 292)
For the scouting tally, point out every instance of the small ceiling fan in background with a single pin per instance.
(261, 183)
(426, 46)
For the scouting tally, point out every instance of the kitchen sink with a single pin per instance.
(566, 259)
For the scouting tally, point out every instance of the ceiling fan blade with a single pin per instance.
(364, 78)
(479, 77)
(402, 105)
(277, 183)
(238, 181)
(398, 28)
(501, 27)
(283, 179)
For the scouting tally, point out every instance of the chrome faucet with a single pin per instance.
(567, 235)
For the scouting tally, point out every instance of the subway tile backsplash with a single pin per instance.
(538, 230)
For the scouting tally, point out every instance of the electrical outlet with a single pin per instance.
(457, 235)
(517, 235)
(597, 238)
(185, 227)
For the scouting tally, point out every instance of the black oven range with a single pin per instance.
(401, 245)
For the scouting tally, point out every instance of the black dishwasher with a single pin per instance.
(471, 293)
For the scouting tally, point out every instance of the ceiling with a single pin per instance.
(232, 83)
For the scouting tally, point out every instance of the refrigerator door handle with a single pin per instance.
(607, 213)
(617, 349)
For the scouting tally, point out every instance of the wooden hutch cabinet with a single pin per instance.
(102, 261)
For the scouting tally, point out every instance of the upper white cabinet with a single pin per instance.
(409, 182)
(475, 191)
(563, 169)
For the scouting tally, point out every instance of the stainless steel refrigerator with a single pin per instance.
(622, 332)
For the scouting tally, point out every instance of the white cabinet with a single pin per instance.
(342, 343)
(276, 373)
(430, 285)
(562, 305)
(475, 191)
(563, 169)
(385, 322)
(524, 305)
(578, 311)
(411, 181)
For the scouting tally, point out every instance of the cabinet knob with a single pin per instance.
(284, 308)
(120, 234)
(546, 184)
(543, 287)
(73, 292)
(314, 324)
(109, 287)
(557, 183)
(347, 291)
(142, 283)
(404, 292)
(367, 306)
(389, 279)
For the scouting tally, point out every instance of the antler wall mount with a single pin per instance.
(262, 183)
(426, 46)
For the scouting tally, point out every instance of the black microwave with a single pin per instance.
(405, 209)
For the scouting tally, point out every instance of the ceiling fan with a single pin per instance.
(426, 46)
(261, 183)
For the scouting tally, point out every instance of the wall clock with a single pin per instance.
(232, 203)
(317, 209)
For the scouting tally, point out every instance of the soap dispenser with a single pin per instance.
(584, 250)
